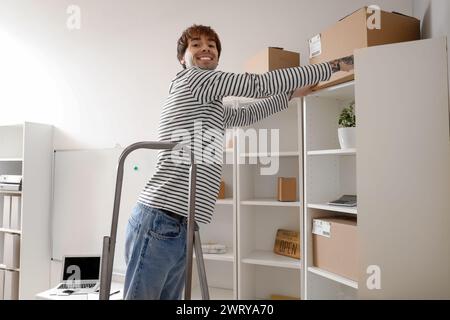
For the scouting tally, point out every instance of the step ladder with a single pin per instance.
(193, 235)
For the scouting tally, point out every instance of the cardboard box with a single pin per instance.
(359, 30)
(335, 246)
(221, 190)
(287, 189)
(287, 243)
(270, 59)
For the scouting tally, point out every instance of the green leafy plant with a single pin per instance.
(347, 118)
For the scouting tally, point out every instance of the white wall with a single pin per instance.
(105, 83)
(435, 18)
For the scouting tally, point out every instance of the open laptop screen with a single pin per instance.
(81, 268)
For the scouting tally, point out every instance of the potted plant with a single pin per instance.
(347, 130)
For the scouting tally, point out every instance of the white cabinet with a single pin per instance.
(268, 150)
(400, 172)
(330, 172)
(403, 169)
(248, 219)
(26, 149)
(221, 268)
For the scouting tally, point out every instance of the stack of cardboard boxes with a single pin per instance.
(363, 28)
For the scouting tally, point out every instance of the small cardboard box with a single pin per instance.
(363, 28)
(287, 189)
(287, 243)
(335, 246)
(221, 190)
(270, 59)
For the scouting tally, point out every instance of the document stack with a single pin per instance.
(10, 233)
(10, 183)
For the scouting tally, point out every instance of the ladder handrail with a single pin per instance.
(109, 243)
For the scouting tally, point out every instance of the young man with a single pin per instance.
(155, 250)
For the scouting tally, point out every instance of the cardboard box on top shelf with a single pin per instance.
(272, 58)
(287, 189)
(335, 246)
(363, 28)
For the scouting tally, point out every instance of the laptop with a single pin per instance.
(80, 275)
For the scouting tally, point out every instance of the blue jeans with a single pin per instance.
(155, 254)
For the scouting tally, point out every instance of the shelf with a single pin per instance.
(334, 277)
(351, 210)
(228, 256)
(11, 231)
(227, 201)
(3, 267)
(268, 258)
(344, 91)
(11, 159)
(270, 154)
(10, 193)
(269, 202)
(214, 293)
(340, 152)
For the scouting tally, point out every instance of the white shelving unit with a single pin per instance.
(400, 159)
(330, 172)
(269, 202)
(10, 231)
(270, 259)
(26, 149)
(342, 152)
(326, 207)
(334, 277)
(221, 268)
(400, 172)
(261, 272)
(271, 154)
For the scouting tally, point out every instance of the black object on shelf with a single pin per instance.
(344, 201)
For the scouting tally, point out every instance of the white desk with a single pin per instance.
(49, 294)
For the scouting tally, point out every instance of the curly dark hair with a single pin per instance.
(192, 32)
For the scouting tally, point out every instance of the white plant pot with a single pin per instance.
(347, 138)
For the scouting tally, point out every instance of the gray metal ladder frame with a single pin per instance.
(193, 235)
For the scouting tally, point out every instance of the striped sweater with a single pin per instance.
(194, 109)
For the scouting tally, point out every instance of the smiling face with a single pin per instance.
(201, 52)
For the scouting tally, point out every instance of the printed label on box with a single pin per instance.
(321, 228)
(315, 46)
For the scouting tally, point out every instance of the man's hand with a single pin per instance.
(302, 92)
(343, 64)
